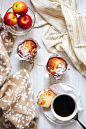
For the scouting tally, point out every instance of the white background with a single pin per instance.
(39, 82)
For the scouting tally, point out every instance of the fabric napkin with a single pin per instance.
(17, 102)
(6, 45)
(7, 38)
(65, 29)
(5, 64)
(17, 108)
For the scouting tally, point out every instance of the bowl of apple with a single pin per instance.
(19, 19)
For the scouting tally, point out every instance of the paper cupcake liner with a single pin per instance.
(46, 73)
(25, 58)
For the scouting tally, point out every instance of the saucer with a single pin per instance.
(51, 118)
(62, 88)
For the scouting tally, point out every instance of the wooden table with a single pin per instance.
(39, 82)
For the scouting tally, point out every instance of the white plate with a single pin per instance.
(59, 89)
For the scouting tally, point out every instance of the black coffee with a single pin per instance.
(64, 105)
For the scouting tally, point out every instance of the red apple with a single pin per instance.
(25, 22)
(10, 19)
(20, 8)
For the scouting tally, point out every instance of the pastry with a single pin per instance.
(56, 66)
(45, 97)
(27, 50)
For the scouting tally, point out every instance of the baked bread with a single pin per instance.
(45, 97)
(56, 65)
(27, 49)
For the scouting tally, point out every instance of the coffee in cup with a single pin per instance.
(64, 107)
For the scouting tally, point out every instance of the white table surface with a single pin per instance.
(39, 82)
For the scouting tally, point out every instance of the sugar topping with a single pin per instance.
(27, 50)
(42, 91)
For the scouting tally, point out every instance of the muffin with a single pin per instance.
(45, 97)
(56, 66)
(27, 50)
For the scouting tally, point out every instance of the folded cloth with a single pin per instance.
(65, 29)
(5, 64)
(17, 102)
(6, 45)
(7, 38)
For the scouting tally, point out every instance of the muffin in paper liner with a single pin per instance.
(22, 52)
(56, 66)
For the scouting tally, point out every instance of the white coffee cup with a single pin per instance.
(64, 118)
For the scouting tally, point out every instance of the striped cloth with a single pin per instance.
(65, 29)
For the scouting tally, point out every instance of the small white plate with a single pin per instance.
(59, 89)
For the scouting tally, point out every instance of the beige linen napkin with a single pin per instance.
(65, 29)
(7, 38)
(5, 64)
(17, 102)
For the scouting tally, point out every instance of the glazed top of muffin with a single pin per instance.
(56, 65)
(27, 49)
